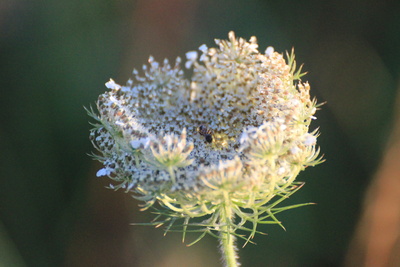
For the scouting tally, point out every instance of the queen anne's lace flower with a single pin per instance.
(236, 133)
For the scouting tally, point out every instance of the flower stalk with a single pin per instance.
(227, 239)
(228, 249)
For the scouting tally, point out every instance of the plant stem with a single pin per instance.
(227, 240)
(172, 174)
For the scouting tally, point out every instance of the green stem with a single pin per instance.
(172, 174)
(227, 240)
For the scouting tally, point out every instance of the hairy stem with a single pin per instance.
(227, 240)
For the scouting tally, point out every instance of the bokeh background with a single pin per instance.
(55, 57)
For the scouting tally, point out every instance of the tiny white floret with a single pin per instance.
(191, 55)
(135, 144)
(102, 172)
(112, 85)
(203, 48)
(310, 140)
(269, 51)
(294, 150)
(191, 58)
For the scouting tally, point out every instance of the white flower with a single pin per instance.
(269, 51)
(112, 85)
(236, 132)
(170, 151)
(140, 143)
(310, 140)
(191, 58)
(102, 172)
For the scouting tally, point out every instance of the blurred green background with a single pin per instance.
(55, 57)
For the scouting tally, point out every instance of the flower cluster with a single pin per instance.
(235, 135)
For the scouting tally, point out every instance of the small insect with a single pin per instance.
(206, 132)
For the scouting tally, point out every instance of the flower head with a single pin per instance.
(236, 134)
